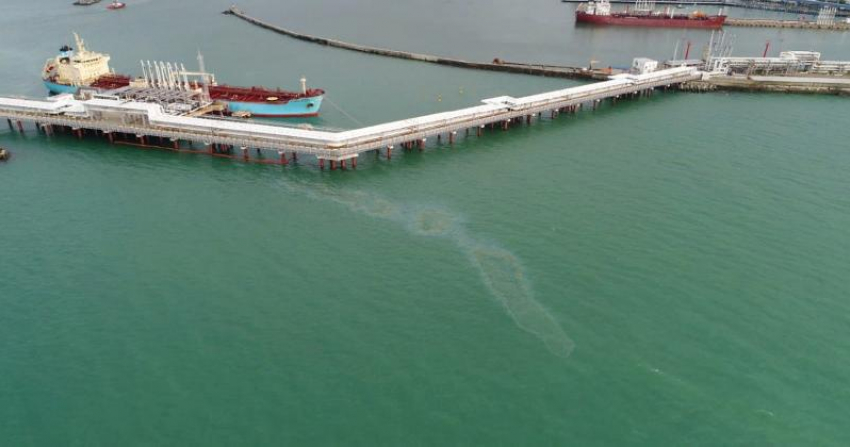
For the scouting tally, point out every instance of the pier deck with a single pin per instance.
(110, 116)
(796, 24)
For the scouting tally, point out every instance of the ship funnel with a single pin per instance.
(303, 85)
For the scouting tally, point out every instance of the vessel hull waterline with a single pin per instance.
(711, 22)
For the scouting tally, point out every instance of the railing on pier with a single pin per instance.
(149, 120)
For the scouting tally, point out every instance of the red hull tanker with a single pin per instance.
(599, 13)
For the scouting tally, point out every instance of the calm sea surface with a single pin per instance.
(669, 271)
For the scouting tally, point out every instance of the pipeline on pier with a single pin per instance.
(114, 116)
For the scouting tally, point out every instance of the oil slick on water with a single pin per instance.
(500, 270)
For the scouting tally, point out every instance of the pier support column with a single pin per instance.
(295, 156)
(333, 165)
(9, 120)
(480, 129)
(422, 144)
(439, 138)
(389, 152)
(527, 119)
(282, 156)
(452, 136)
(209, 148)
(140, 137)
(110, 137)
(175, 144)
(245, 153)
(322, 164)
(21, 126)
(354, 163)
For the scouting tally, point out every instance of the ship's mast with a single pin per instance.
(203, 68)
(81, 44)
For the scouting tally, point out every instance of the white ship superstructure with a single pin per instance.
(77, 68)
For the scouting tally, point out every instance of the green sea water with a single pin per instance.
(667, 271)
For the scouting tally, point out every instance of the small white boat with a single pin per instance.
(116, 5)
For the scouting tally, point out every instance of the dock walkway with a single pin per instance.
(797, 24)
(110, 116)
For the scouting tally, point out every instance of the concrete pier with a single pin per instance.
(784, 84)
(795, 24)
(496, 65)
(143, 123)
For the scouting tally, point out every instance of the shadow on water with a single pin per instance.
(500, 270)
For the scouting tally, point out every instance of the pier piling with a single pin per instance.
(162, 127)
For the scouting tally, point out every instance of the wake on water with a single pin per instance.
(500, 270)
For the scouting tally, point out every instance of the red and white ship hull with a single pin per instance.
(652, 20)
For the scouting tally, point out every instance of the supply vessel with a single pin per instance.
(644, 14)
(75, 69)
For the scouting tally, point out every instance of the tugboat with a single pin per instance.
(644, 14)
(116, 5)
